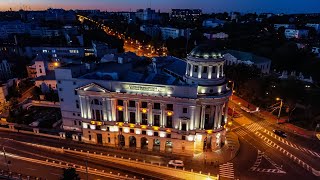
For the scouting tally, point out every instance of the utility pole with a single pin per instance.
(281, 103)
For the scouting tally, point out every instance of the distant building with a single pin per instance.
(167, 32)
(55, 52)
(220, 35)
(5, 70)
(212, 23)
(100, 49)
(316, 51)
(315, 26)
(147, 15)
(129, 16)
(233, 57)
(45, 76)
(4, 91)
(296, 33)
(150, 30)
(286, 26)
(186, 14)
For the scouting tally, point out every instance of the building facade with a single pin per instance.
(186, 14)
(296, 33)
(159, 112)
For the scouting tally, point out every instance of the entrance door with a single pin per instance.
(184, 127)
(99, 138)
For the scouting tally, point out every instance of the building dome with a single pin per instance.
(206, 52)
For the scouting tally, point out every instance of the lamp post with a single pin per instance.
(280, 107)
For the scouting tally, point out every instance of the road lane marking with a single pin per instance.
(261, 155)
(295, 159)
(300, 148)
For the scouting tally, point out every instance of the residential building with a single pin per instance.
(296, 33)
(167, 32)
(150, 30)
(100, 49)
(174, 105)
(55, 52)
(316, 51)
(147, 15)
(286, 26)
(212, 23)
(5, 70)
(220, 35)
(186, 14)
(315, 26)
(45, 75)
(234, 57)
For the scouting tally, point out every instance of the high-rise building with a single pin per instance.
(186, 14)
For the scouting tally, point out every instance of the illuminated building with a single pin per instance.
(170, 105)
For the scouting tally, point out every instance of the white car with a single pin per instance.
(176, 163)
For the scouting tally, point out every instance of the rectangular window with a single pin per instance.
(89, 137)
(169, 121)
(144, 118)
(144, 132)
(61, 99)
(156, 120)
(170, 107)
(155, 134)
(74, 83)
(131, 130)
(132, 117)
(75, 122)
(120, 102)
(75, 92)
(60, 89)
(185, 110)
(205, 69)
(144, 105)
(156, 106)
(73, 114)
(109, 140)
(79, 122)
(195, 69)
(132, 104)
(59, 82)
(168, 135)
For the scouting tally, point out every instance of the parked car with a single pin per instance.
(176, 163)
(280, 133)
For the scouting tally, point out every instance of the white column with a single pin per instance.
(222, 73)
(126, 117)
(226, 112)
(199, 71)
(191, 70)
(210, 72)
(203, 113)
(104, 109)
(218, 71)
(150, 114)
(192, 120)
(113, 107)
(83, 106)
(138, 119)
(89, 107)
(187, 69)
(220, 115)
(216, 118)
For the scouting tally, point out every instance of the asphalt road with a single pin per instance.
(23, 150)
(265, 155)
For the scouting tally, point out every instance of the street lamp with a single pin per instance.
(280, 107)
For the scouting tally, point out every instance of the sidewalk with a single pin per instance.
(223, 155)
(273, 119)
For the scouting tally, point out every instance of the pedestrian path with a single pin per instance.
(300, 148)
(226, 170)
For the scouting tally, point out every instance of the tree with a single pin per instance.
(70, 174)
(36, 92)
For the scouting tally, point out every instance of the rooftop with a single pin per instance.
(246, 56)
(206, 51)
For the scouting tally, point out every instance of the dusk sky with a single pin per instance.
(276, 6)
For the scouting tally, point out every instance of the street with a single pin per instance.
(264, 154)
